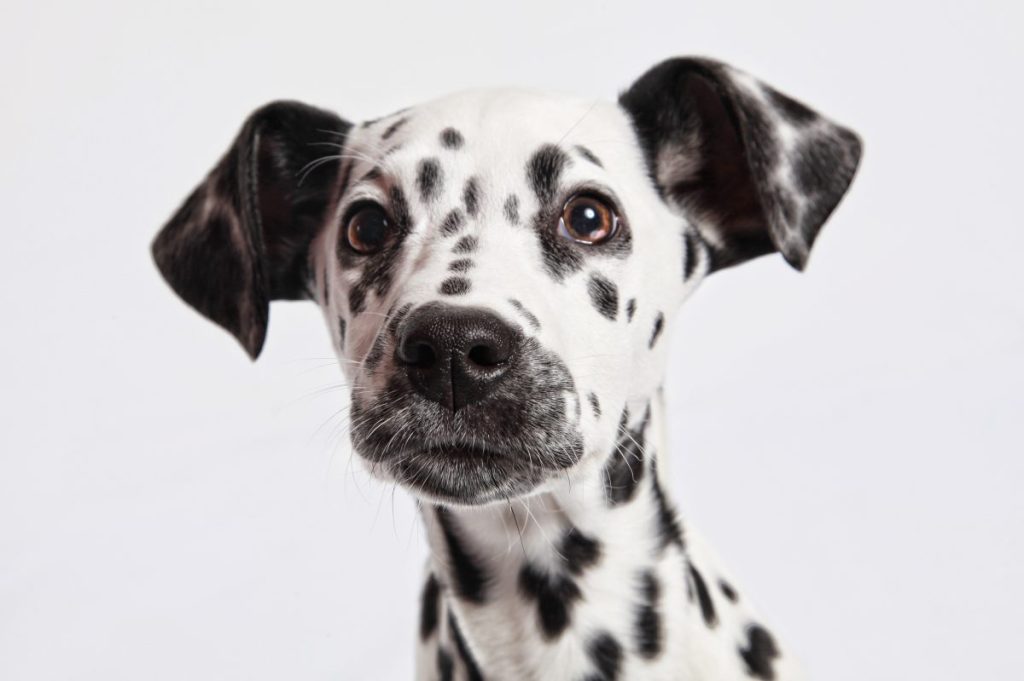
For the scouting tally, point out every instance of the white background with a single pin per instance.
(850, 440)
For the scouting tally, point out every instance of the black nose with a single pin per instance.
(455, 356)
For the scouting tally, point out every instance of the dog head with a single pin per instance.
(497, 268)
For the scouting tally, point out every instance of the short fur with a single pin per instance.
(557, 553)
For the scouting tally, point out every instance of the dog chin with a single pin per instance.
(461, 474)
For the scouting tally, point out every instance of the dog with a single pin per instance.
(498, 270)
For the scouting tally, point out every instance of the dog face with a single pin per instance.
(497, 268)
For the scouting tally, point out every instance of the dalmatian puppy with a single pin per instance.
(499, 270)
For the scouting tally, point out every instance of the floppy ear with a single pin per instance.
(759, 172)
(241, 239)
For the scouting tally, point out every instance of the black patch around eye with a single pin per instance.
(470, 579)
(429, 607)
(445, 665)
(604, 294)
(471, 196)
(630, 309)
(530, 317)
(466, 244)
(544, 170)
(460, 265)
(728, 590)
(759, 653)
(429, 179)
(393, 128)
(690, 251)
(659, 325)
(512, 209)
(455, 286)
(707, 605)
(606, 655)
(452, 223)
(647, 624)
(580, 551)
(589, 155)
(555, 596)
(595, 404)
(452, 139)
(468, 661)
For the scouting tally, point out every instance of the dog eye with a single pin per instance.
(368, 229)
(588, 220)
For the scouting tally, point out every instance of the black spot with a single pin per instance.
(471, 196)
(465, 654)
(341, 331)
(374, 356)
(625, 467)
(357, 298)
(512, 209)
(373, 174)
(647, 625)
(659, 325)
(451, 139)
(466, 244)
(393, 128)
(555, 596)
(429, 603)
(455, 286)
(707, 606)
(669, 529)
(595, 404)
(589, 155)
(397, 318)
(429, 179)
(327, 290)
(544, 170)
(728, 590)
(606, 655)
(530, 317)
(604, 295)
(630, 309)
(760, 653)
(470, 579)
(452, 223)
(690, 247)
(460, 265)
(445, 665)
(579, 551)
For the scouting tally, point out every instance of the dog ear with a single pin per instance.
(758, 171)
(241, 239)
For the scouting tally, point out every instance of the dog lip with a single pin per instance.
(460, 450)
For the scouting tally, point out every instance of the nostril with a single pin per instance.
(422, 355)
(487, 355)
(417, 353)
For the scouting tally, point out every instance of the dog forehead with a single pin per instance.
(500, 123)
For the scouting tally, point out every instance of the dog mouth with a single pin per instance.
(501, 439)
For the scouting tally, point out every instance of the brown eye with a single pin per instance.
(368, 229)
(588, 220)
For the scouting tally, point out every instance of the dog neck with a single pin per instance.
(571, 576)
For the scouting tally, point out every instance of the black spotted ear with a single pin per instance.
(758, 172)
(241, 239)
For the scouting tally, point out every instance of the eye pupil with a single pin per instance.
(588, 220)
(368, 229)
